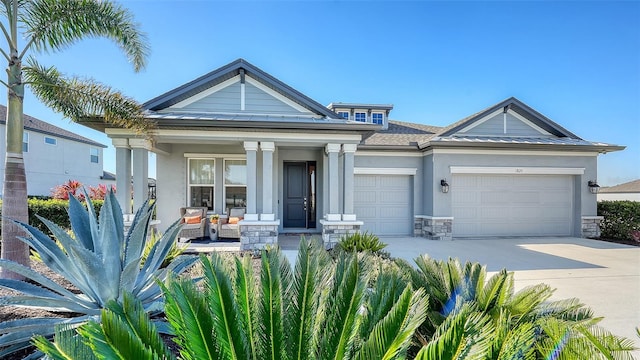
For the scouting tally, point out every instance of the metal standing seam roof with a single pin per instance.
(43, 127)
(628, 187)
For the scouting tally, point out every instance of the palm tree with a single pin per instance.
(52, 25)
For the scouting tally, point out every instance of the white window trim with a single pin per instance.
(515, 170)
(55, 141)
(377, 112)
(189, 184)
(224, 187)
(366, 118)
(25, 134)
(91, 155)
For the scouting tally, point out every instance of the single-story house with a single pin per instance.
(53, 156)
(239, 137)
(627, 191)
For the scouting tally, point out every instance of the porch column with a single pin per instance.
(348, 150)
(267, 181)
(123, 174)
(251, 147)
(140, 171)
(334, 194)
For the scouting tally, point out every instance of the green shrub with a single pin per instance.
(360, 242)
(53, 210)
(621, 218)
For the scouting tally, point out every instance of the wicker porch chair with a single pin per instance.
(194, 230)
(226, 228)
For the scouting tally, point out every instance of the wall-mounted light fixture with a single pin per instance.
(593, 187)
(444, 186)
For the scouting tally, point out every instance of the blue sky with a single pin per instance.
(576, 62)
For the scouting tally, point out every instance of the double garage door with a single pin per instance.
(508, 205)
(384, 203)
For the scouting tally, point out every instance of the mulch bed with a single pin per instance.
(625, 242)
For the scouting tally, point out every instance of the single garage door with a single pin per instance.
(384, 203)
(508, 205)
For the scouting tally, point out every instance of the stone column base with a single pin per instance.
(591, 226)
(258, 234)
(433, 227)
(332, 231)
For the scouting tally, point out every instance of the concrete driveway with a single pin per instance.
(604, 276)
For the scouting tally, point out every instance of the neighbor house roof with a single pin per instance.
(628, 187)
(237, 67)
(36, 125)
(108, 176)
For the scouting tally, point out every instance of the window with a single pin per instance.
(25, 142)
(360, 116)
(50, 140)
(95, 155)
(344, 114)
(376, 118)
(235, 183)
(202, 174)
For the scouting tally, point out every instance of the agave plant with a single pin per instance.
(323, 309)
(99, 259)
(471, 313)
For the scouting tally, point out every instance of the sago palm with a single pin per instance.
(322, 309)
(524, 324)
(32, 26)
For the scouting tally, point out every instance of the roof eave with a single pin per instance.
(548, 147)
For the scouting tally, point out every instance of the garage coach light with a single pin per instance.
(444, 186)
(593, 187)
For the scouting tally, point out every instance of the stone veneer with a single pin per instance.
(432, 227)
(258, 234)
(591, 226)
(332, 231)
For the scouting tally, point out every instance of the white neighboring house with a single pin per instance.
(53, 156)
(627, 191)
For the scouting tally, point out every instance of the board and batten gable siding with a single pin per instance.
(223, 100)
(495, 127)
(228, 99)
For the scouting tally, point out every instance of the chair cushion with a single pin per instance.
(234, 220)
(192, 212)
(192, 219)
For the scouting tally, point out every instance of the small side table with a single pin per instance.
(213, 231)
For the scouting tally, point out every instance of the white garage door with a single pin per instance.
(384, 203)
(507, 205)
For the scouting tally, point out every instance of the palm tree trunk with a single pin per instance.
(14, 202)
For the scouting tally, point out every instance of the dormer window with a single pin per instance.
(344, 114)
(361, 116)
(377, 118)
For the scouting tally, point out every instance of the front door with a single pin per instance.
(299, 194)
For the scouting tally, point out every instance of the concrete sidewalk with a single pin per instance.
(604, 276)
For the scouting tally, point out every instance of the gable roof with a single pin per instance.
(227, 72)
(517, 106)
(43, 127)
(628, 187)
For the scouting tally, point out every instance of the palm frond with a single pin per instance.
(246, 302)
(343, 306)
(80, 99)
(67, 344)
(497, 290)
(57, 24)
(391, 336)
(302, 298)
(220, 294)
(187, 310)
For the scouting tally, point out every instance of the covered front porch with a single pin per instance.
(287, 182)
